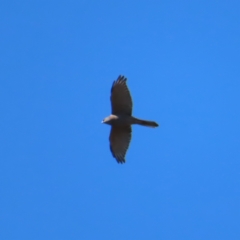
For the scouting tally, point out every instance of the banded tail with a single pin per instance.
(145, 123)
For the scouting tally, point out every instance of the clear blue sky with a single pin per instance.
(58, 179)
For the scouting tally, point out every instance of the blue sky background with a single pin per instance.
(58, 179)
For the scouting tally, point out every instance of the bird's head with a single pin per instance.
(109, 120)
(106, 120)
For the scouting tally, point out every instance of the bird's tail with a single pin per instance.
(145, 123)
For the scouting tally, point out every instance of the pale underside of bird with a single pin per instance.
(121, 119)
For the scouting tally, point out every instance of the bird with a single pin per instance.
(121, 119)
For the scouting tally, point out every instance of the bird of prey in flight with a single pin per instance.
(121, 119)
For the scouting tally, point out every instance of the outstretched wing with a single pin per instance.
(121, 100)
(120, 138)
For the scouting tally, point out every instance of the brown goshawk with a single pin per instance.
(121, 119)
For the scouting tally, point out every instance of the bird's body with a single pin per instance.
(121, 119)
